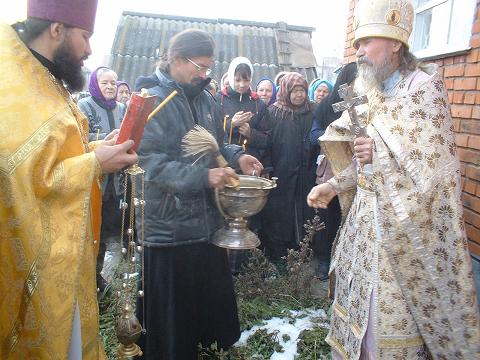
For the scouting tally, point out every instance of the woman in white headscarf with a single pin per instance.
(243, 111)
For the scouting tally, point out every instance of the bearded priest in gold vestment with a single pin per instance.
(49, 197)
(403, 282)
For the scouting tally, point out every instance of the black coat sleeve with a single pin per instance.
(260, 128)
(231, 152)
(160, 155)
(169, 174)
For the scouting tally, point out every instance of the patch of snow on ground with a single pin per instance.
(303, 320)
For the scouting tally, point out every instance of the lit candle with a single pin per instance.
(162, 104)
(225, 123)
(230, 135)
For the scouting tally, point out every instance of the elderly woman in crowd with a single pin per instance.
(105, 114)
(123, 92)
(319, 90)
(266, 90)
(293, 160)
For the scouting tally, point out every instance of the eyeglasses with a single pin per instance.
(207, 70)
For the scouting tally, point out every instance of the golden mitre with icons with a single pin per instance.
(391, 19)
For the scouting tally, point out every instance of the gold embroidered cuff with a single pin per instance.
(92, 145)
(98, 169)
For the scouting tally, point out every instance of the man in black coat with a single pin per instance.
(189, 297)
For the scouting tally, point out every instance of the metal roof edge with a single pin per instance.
(276, 25)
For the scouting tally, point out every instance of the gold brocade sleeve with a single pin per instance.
(51, 177)
(346, 180)
(92, 145)
(337, 144)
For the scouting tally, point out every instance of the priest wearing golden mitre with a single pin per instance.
(49, 179)
(402, 275)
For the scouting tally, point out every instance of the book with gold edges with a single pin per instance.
(133, 124)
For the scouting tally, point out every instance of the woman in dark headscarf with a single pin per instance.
(123, 92)
(105, 114)
(324, 116)
(290, 119)
(266, 90)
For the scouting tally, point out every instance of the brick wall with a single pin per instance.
(349, 54)
(462, 79)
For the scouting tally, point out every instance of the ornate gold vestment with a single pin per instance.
(401, 255)
(49, 198)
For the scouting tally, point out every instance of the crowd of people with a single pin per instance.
(394, 246)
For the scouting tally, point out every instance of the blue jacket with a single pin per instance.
(179, 201)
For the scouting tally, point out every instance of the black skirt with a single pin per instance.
(189, 299)
(323, 240)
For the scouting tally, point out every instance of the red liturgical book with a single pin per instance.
(135, 119)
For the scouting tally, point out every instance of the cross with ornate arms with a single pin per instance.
(349, 103)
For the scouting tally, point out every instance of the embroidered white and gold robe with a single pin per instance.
(401, 255)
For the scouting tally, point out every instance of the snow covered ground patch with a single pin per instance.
(289, 329)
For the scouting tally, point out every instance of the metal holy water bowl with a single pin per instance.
(236, 204)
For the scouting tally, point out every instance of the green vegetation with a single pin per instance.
(264, 290)
(312, 345)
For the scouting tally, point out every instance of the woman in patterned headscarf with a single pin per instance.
(292, 156)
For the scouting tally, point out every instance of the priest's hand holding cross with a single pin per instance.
(363, 145)
(363, 149)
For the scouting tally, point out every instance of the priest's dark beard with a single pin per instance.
(69, 68)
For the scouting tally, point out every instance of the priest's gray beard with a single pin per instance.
(371, 76)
